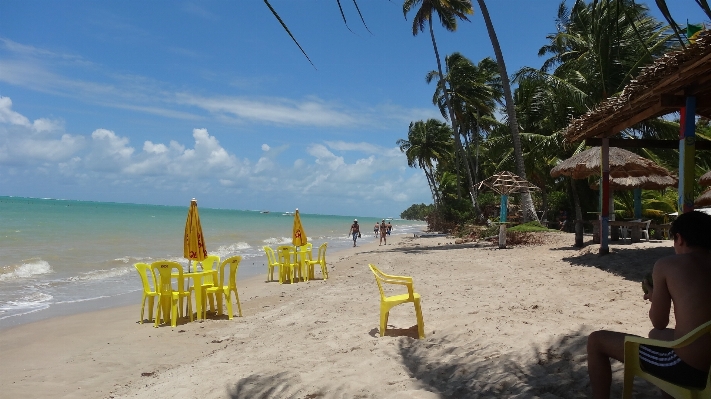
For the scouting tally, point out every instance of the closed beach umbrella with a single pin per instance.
(705, 180)
(194, 246)
(298, 236)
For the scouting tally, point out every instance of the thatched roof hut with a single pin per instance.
(623, 163)
(705, 180)
(653, 182)
(658, 90)
(704, 199)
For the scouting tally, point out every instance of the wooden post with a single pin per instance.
(605, 188)
(687, 150)
(502, 236)
(579, 233)
(638, 203)
(503, 212)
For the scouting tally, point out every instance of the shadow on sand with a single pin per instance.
(555, 370)
(631, 263)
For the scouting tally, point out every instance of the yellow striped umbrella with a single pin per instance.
(194, 246)
(298, 236)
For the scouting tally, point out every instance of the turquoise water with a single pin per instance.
(58, 252)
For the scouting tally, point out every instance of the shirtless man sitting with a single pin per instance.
(683, 279)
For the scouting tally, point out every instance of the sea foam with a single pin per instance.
(25, 270)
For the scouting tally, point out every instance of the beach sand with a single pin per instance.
(509, 323)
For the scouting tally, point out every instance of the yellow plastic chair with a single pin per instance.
(168, 296)
(388, 302)
(208, 264)
(633, 369)
(223, 290)
(320, 260)
(303, 255)
(149, 288)
(288, 263)
(271, 264)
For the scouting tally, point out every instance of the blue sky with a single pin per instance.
(158, 102)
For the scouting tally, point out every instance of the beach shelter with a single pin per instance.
(704, 199)
(618, 163)
(705, 180)
(506, 183)
(298, 235)
(637, 184)
(194, 241)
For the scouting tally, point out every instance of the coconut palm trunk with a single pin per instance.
(529, 212)
(455, 126)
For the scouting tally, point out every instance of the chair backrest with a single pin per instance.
(378, 277)
(287, 255)
(233, 262)
(208, 264)
(148, 279)
(271, 258)
(322, 253)
(162, 269)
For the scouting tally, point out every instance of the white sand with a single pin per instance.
(499, 323)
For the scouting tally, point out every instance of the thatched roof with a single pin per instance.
(654, 182)
(704, 199)
(658, 90)
(623, 163)
(506, 183)
(705, 180)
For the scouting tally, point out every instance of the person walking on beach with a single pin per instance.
(355, 231)
(376, 229)
(383, 233)
(683, 280)
(390, 227)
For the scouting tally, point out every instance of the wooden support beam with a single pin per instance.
(646, 143)
(674, 101)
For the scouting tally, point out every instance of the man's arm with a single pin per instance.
(661, 298)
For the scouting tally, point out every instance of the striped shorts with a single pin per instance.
(665, 364)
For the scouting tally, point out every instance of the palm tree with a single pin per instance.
(448, 12)
(428, 144)
(527, 203)
(474, 91)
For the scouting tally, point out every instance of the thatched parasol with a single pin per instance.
(654, 182)
(505, 183)
(704, 199)
(705, 180)
(623, 163)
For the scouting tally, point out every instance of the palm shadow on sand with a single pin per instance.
(556, 370)
(630, 263)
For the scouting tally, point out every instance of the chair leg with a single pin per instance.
(174, 312)
(158, 313)
(420, 321)
(383, 321)
(324, 271)
(143, 303)
(239, 307)
(151, 304)
(228, 296)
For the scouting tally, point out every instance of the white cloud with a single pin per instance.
(7, 115)
(105, 159)
(311, 112)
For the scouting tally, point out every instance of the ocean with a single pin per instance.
(62, 256)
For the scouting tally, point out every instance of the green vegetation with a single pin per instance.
(417, 212)
(598, 48)
(530, 227)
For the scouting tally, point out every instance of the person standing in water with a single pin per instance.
(376, 229)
